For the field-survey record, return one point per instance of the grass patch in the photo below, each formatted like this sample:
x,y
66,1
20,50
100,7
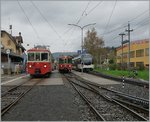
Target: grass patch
x,y
141,74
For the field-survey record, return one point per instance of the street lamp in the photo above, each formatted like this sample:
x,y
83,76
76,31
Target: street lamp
x,y
82,37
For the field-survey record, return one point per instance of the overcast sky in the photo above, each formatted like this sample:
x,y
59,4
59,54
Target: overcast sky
x,y
46,22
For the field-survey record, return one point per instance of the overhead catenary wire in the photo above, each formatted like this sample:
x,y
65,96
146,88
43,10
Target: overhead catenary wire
x,y
94,8
86,8
110,16
29,22
84,11
86,14
78,21
46,20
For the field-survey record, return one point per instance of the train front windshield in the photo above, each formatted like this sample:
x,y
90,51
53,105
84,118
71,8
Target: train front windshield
x,y
38,56
88,60
65,60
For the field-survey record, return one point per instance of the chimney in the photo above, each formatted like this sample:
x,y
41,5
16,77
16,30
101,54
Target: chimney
x,y
19,33
10,27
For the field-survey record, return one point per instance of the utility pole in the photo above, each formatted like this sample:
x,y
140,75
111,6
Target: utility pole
x,y
122,34
128,30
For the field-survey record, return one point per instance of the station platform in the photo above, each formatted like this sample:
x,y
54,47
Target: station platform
x,y
95,79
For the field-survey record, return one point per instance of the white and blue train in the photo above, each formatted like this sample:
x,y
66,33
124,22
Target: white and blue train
x,y
83,61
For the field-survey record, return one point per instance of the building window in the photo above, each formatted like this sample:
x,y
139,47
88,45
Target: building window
x,y
118,57
147,52
132,64
8,43
132,54
140,53
139,64
125,55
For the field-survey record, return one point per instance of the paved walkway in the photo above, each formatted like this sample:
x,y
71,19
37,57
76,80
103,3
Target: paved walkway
x,y
5,79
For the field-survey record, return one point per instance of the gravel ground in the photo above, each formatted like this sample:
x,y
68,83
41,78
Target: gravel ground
x,y
83,108
45,103
62,103
110,111
131,89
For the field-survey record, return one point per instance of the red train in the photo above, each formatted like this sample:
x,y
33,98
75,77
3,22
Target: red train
x,y
65,64
39,61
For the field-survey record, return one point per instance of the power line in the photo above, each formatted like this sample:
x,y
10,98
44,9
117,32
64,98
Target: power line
x,y
114,30
46,20
94,8
123,27
29,21
115,37
142,21
139,15
125,24
110,16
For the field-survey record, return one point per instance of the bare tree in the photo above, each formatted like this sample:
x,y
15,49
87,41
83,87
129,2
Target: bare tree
x,y
94,45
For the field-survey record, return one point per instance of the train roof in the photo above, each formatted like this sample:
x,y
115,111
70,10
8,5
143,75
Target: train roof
x,y
38,50
64,57
79,56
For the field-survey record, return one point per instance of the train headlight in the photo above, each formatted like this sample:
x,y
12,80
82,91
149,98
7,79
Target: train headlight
x,y
30,66
60,65
45,66
69,65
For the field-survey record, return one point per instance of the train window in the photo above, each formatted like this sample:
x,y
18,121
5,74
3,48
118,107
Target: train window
x,y
37,56
30,56
69,60
61,60
44,56
65,60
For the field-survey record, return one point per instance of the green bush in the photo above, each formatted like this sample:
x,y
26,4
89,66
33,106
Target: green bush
x,y
112,66
118,67
141,67
111,61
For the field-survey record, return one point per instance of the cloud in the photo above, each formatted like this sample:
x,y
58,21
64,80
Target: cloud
x,y
51,27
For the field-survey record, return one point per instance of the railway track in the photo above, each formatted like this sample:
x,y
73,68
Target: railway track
x,y
124,105
13,95
14,87
137,100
